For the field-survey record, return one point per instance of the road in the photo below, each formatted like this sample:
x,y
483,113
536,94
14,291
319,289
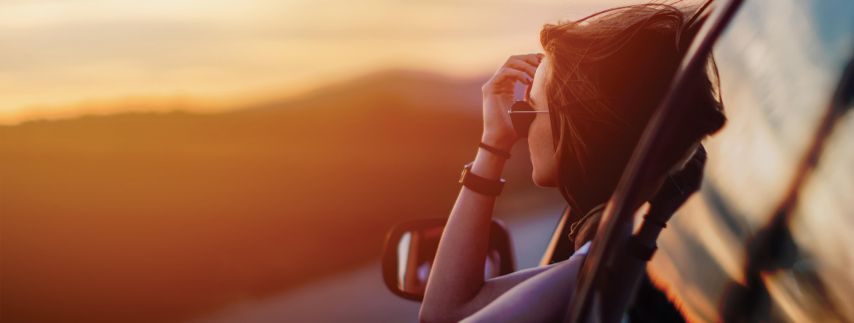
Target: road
x,y
360,295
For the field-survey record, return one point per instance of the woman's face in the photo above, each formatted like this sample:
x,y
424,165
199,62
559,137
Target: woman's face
x,y
540,142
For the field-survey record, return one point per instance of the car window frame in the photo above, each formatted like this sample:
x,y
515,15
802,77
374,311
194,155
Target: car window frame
x,y
617,214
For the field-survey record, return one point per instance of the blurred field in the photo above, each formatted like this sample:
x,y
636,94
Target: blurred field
x,y
160,217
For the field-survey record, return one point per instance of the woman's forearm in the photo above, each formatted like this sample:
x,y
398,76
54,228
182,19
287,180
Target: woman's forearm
x,y
457,273
455,288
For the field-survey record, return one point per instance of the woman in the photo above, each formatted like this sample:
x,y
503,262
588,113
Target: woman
x,y
592,93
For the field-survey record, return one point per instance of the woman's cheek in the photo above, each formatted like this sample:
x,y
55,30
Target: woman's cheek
x,y
542,157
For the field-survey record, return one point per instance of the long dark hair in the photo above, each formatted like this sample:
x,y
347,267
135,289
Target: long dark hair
x,y
609,72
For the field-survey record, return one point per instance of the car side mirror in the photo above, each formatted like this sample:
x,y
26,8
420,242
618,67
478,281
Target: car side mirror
x,y
411,246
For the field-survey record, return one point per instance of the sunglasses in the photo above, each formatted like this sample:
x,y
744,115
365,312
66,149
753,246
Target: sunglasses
x,y
522,115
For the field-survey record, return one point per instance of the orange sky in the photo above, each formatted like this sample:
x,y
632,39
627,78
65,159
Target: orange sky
x,y
61,58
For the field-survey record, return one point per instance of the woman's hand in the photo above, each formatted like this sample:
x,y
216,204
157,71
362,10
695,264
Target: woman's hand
x,y
498,97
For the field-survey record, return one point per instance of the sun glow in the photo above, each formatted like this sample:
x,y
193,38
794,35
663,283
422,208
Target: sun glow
x,y
59,56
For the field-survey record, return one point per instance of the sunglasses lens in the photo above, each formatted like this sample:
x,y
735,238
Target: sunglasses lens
x,y
521,121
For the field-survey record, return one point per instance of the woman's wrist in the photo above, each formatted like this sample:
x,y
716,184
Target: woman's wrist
x,y
501,141
488,165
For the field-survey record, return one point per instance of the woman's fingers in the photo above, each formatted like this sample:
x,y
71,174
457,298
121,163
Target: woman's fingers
x,y
512,74
517,68
523,66
528,62
533,59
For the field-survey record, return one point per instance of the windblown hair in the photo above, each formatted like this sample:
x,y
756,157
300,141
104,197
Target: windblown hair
x,y
610,71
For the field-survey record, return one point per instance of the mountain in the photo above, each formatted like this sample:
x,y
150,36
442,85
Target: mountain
x,y
143,217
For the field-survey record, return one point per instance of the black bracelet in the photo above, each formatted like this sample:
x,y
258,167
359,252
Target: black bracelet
x,y
499,152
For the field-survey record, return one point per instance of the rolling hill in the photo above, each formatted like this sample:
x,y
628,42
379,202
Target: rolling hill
x,y
143,217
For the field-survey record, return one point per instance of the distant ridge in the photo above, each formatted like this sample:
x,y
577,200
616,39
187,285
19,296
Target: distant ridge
x,y
416,89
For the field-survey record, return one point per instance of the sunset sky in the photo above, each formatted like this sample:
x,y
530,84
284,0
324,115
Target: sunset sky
x,y
62,58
